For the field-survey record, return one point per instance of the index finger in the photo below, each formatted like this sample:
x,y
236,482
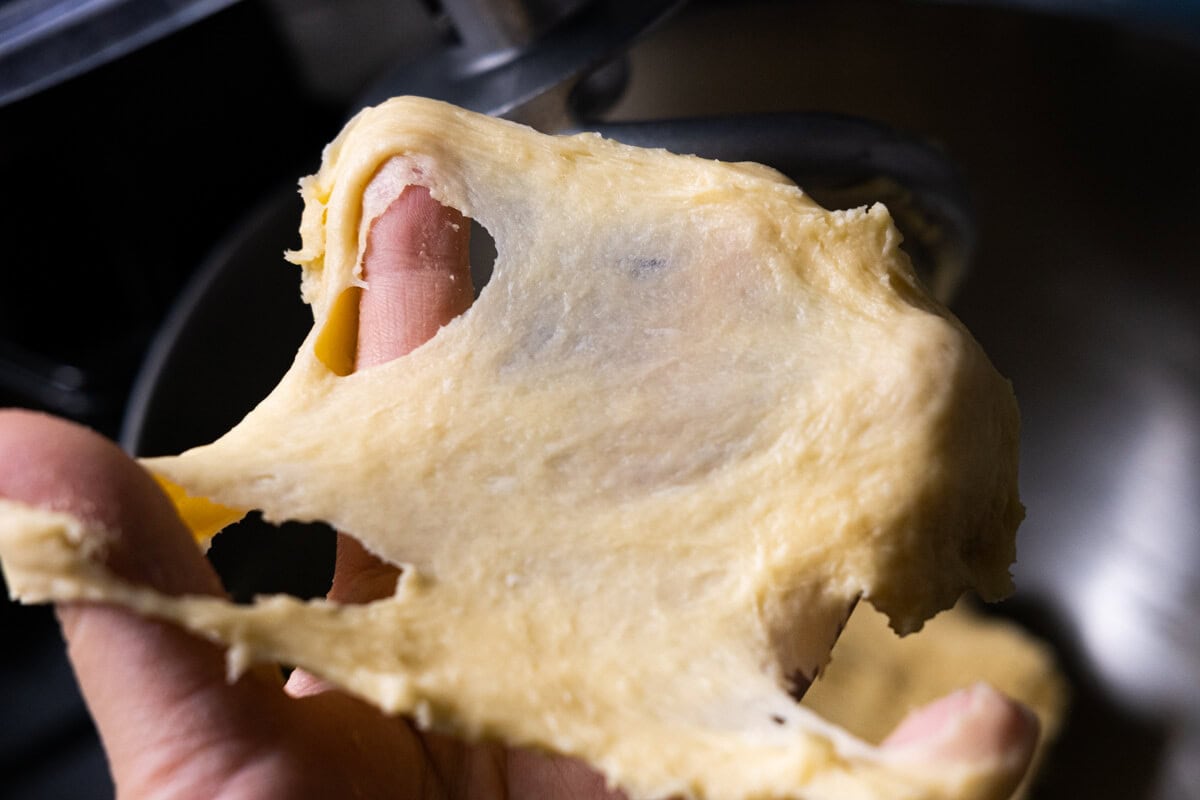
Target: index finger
x,y
417,273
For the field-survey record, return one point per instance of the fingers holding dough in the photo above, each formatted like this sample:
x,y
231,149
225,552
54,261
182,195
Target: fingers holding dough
x,y
56,465
59,466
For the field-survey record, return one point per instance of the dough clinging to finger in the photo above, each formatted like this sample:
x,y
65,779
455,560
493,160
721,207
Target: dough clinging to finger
x,y
634,489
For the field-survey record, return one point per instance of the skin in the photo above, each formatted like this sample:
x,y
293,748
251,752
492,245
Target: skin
x,y
173,727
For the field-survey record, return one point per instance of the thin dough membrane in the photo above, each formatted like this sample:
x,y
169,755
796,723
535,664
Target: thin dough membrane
x,y
691,419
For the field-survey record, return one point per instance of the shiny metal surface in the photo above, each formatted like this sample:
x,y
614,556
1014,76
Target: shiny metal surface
x,y
1077,141
45,42
530,80
491,25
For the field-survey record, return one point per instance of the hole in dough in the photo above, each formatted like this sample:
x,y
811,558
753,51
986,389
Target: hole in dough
x,y
483,256
254,558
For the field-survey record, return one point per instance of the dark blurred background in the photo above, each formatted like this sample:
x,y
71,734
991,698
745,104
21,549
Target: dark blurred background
x,y
1074,126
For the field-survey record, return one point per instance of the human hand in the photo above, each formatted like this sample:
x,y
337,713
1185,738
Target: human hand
x,y
174,727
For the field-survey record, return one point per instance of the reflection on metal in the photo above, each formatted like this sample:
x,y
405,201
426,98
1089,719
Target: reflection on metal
x,y
1138,597
527,73
44,42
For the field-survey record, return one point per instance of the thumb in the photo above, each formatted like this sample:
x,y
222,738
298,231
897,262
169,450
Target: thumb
x,y
973,726
158,695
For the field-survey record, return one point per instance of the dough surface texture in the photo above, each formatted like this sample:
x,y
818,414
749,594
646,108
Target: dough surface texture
x,y
635,489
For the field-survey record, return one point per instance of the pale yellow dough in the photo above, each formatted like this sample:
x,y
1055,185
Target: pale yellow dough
x,y
635,489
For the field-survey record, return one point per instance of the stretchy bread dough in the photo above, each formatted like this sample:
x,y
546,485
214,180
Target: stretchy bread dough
x,y
635,488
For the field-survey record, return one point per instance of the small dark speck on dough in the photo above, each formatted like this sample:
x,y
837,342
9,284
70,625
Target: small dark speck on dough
x,y
640,267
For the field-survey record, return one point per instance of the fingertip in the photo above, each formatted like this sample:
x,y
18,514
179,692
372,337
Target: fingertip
x,y
58,465
973,725
416,268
